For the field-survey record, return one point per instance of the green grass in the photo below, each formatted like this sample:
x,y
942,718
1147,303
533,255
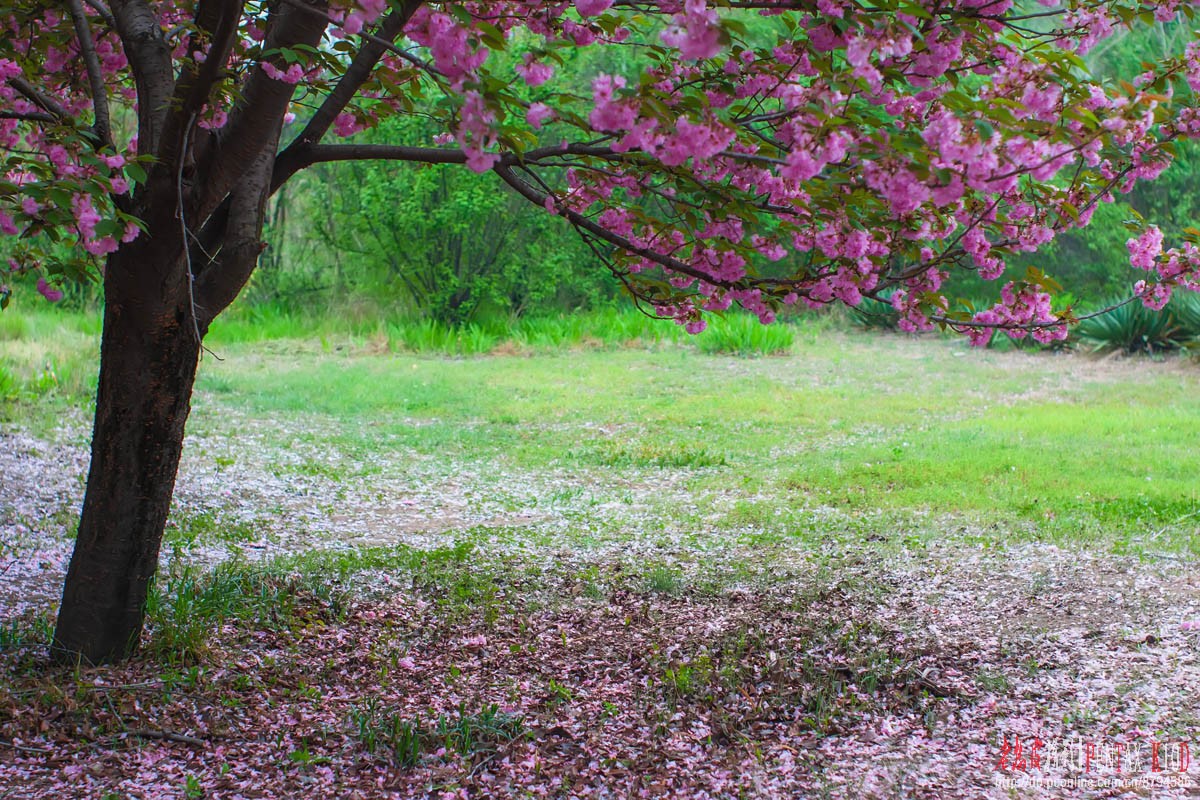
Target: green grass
x,y
188,604
47,357
408,739
855,423
848,433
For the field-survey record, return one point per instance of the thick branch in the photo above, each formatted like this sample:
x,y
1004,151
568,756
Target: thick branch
x,y
259,116
150,61
87,47
239,223
357,73
305,157
39,99
219,20
355,76
32,116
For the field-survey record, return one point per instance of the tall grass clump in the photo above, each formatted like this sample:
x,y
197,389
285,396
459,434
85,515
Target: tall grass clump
x,y
743,335
265,322
186,606
428,336
605,328
411,738
1185,305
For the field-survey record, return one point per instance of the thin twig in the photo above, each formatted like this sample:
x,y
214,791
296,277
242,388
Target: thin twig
x,y
25,749
187,250
370,37
166,736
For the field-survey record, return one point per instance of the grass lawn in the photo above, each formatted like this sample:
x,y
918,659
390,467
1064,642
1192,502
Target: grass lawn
x,y
853,570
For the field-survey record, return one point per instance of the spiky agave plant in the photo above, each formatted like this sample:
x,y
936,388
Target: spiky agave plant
x,y
1133,328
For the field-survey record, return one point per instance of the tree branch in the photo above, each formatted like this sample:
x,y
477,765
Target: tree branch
x,y
32,116
355,76
240,219
219,20
537,197
87,48
150,62
42,101
307,156
258,117
103,12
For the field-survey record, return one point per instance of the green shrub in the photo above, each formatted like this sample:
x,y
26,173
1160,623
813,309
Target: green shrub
x,y
876,314
1133,328
1185,305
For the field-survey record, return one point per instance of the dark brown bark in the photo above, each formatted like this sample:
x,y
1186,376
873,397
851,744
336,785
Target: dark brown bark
x,y
150,62
160,298
148,361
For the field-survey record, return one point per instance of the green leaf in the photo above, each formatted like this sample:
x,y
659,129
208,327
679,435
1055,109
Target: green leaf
x,y
136,173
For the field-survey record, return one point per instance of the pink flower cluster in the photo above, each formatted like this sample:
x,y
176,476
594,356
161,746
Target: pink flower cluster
x,y
1177,267
695,32
1022,310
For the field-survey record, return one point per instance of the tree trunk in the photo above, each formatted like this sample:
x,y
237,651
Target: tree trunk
x,y
148,358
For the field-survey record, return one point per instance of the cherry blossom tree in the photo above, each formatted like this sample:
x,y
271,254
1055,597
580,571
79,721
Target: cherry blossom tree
x,y
758,153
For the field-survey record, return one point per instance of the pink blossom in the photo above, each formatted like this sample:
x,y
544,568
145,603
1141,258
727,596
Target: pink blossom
x,y
293,75
215,120
535,73
695,32
1146,248
592,8
102,246
48,292
346,124
537,115
475,132
609,113
1153,295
